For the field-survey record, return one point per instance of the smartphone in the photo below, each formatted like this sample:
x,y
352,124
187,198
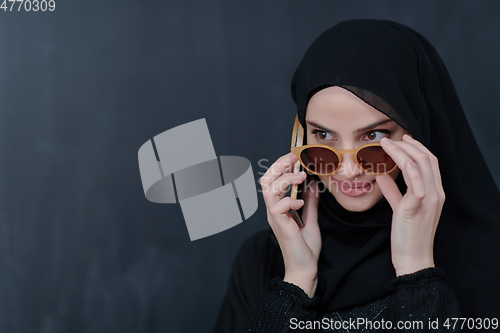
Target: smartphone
x,y
297,189
297,141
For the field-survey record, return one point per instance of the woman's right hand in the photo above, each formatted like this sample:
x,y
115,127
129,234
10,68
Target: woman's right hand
x,y
300,246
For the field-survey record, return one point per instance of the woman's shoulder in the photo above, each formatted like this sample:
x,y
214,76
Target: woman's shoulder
x,y
469,251
260,241
257,261
261,252
261,244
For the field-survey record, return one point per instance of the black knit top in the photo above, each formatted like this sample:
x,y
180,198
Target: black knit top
x,y
418,302
258,300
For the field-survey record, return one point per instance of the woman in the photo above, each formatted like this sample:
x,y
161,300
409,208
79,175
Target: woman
x,y
416,246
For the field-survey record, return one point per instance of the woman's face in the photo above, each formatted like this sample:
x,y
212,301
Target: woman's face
x,y
338,118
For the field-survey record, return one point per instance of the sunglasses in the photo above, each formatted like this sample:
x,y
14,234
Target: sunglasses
x,y
324,160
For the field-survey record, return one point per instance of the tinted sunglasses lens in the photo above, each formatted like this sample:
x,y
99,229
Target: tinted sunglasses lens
x,y
320,160
375,160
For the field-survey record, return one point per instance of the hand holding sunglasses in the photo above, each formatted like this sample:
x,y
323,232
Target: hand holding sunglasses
x,y
416,214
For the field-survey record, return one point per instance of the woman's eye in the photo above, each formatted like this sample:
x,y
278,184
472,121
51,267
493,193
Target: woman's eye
x,y
376,135
322,135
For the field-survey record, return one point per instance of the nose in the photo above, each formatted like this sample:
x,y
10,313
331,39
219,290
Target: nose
x,y
348,168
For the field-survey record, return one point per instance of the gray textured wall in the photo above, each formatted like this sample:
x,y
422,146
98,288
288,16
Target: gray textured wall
x,y
83,87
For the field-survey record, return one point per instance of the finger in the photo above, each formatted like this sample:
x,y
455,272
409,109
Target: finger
x,y
434,162
437,175
398,156
412,200
390,190
281,166
417,186
285,204
285,221
423,163
278,189
311,197
310,231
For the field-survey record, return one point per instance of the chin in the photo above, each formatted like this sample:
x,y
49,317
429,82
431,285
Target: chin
x,y
359,203
355,206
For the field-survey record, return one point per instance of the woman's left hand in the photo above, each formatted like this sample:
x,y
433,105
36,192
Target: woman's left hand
x,y
416,214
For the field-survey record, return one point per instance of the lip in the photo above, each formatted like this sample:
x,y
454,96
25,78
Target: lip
x,y
354,189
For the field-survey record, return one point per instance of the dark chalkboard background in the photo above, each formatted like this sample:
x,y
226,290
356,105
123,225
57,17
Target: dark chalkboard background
x,y
83,87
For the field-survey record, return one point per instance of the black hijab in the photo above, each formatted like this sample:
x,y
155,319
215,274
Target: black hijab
x,y
397,71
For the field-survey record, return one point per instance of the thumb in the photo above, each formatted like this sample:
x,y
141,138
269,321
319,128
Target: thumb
x,y
311,198
310,231
390,190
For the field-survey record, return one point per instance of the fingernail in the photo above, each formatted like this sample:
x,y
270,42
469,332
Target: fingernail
x,y
385,141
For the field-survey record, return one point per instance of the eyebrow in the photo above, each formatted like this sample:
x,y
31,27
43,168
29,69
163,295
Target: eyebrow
x,y
366,128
